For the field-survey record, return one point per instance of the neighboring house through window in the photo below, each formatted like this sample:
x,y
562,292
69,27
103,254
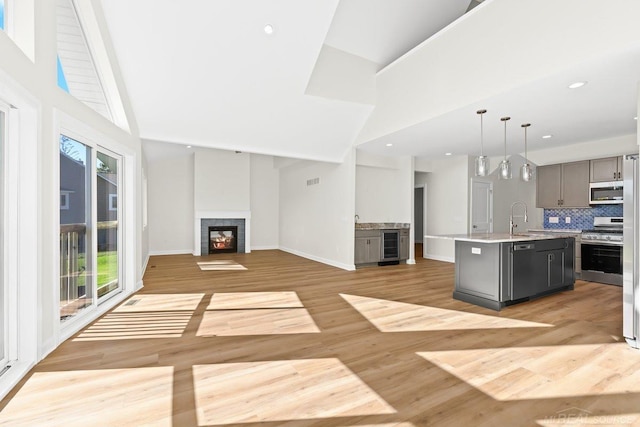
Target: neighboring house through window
x,y
64,199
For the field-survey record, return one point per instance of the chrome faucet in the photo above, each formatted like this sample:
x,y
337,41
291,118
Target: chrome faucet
x,y
357,217
511,216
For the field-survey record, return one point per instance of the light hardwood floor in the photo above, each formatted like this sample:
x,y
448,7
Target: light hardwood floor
x,y
296,343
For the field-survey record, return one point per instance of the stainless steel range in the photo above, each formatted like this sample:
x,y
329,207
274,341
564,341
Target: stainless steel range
x,y
602,251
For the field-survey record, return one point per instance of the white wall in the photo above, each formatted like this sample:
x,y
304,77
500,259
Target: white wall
x,y
246,182
265,197
447,205
317,221
221,180
170,202
381,195
506,192
625,144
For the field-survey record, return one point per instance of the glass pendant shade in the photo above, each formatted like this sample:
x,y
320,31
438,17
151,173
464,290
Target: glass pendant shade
x,y
526,171
482,161
504,170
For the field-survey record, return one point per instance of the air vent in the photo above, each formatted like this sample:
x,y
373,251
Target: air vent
x,y
132,302
313,181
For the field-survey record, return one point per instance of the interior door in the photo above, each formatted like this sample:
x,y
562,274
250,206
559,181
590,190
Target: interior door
x,y
481,206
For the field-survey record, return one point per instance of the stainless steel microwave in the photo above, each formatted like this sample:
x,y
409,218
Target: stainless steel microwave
x,y
605,193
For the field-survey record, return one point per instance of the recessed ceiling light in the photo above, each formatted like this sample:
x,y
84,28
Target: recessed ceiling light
x,y
576,85
268,29
188,146
546,136
389,145
447,154
635,118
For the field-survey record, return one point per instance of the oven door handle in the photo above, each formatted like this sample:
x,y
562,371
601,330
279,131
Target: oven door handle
x,y
599,243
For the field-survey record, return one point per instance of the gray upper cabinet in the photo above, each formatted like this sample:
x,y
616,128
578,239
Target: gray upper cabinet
x,y
607,169
563,185
548,186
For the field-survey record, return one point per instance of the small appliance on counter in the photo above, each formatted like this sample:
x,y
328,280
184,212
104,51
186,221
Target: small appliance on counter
x,y
602,249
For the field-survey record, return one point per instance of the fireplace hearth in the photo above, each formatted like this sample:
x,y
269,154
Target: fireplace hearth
x,y
223,239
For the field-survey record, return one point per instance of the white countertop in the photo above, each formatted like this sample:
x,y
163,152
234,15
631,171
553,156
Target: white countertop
x,y
502,237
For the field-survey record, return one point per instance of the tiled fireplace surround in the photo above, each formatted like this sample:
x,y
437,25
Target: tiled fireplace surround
x,y
206,219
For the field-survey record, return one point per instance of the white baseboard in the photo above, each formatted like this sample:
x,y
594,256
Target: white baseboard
x,y
145,264
439,258
319,259
47,347
265,248
172,252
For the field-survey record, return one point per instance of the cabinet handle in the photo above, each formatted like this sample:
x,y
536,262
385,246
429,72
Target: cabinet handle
x,y
614,175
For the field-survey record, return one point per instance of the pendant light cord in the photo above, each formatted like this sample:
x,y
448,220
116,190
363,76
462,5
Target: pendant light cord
x,y
504,119
481,112
525,126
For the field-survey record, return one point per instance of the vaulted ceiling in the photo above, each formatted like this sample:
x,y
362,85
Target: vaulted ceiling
x,y
370,73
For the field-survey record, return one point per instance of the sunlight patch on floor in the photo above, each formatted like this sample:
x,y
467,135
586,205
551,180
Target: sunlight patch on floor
x,y
280,391
250,300
160,302
256,313
222,265
544,372
141,396
122,326
394,316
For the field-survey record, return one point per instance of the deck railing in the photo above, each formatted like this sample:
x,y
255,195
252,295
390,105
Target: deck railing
x,y
73,279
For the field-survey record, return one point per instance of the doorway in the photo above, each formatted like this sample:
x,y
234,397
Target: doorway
x,y
420,219
481,206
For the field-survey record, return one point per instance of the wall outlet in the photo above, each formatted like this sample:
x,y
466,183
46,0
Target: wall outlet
x,y
554,220
567,220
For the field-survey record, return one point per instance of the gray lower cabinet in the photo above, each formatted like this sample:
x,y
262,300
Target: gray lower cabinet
x,y
495,275
367,246
404,244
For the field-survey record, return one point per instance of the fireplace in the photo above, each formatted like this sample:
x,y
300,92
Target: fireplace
x,y
224,220
223,239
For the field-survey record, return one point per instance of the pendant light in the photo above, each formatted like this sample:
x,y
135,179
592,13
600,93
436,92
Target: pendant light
x,y
482,161
504,170
526,171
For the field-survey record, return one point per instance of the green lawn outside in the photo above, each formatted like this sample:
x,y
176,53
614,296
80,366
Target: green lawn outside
x,y
107,267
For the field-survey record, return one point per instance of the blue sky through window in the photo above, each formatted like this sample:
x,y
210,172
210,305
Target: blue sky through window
x,y
2,14
62,81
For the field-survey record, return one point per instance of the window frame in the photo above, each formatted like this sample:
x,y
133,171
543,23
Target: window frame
x,y
97,141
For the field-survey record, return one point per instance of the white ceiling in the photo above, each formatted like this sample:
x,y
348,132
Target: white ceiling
x,y
204,73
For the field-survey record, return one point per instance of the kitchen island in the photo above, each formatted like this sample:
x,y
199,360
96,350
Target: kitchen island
x,y
496,270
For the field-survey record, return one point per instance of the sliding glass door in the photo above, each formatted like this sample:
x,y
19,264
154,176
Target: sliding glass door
x,y
76,280
108,186
90,254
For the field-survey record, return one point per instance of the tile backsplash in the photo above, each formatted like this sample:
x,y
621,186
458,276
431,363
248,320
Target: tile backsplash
x,y
581,218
